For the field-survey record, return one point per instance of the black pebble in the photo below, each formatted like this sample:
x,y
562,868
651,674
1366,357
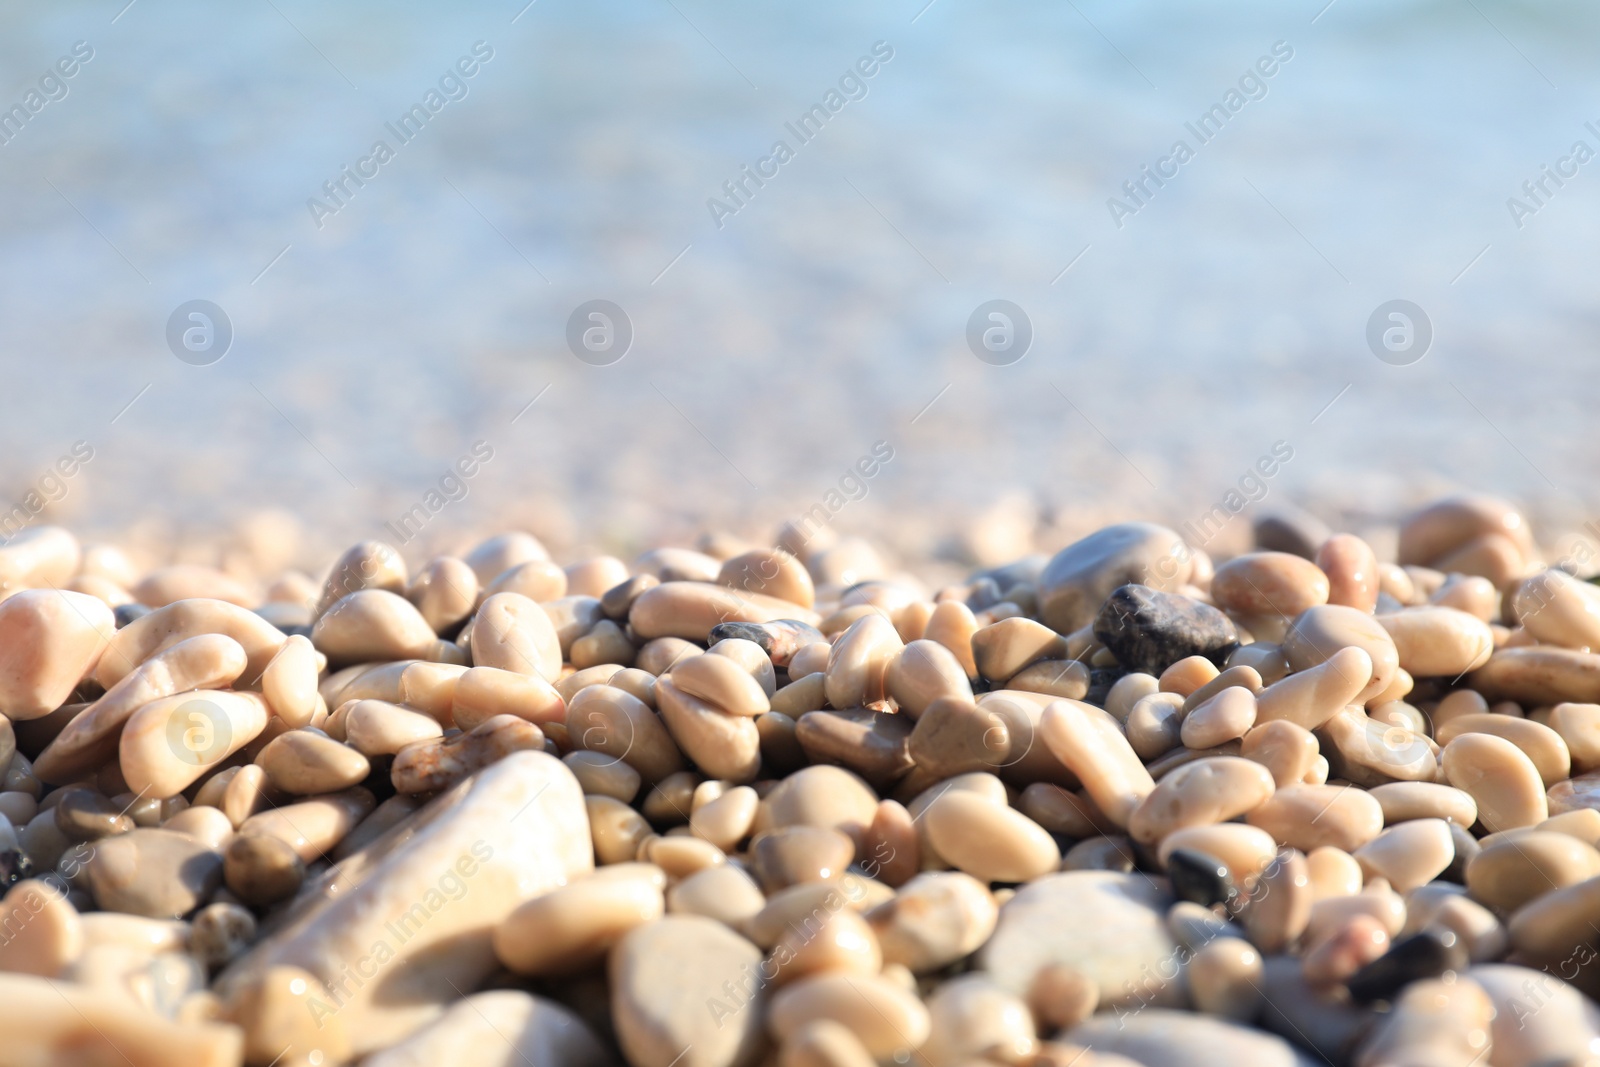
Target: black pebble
x,y
1200,878
1148,630
14,867
1424,955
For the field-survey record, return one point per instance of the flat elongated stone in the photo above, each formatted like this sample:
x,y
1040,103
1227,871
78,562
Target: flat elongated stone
x,y
1184,1039
393,933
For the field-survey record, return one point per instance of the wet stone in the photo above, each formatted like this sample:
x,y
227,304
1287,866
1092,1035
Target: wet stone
x,y
1201,878
1148,630
1424,955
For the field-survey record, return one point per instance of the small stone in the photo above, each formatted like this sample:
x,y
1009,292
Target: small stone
x,y
874,744
156,873
221,932
1077,580
935,919
1200,878
668,1000
1183,1039
955,736
1149,630
1428,954
1291,530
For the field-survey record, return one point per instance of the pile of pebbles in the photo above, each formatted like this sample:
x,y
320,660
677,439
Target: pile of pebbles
x,y
746,805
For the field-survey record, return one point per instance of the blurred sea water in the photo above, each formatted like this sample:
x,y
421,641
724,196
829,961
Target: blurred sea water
x,y
1227,315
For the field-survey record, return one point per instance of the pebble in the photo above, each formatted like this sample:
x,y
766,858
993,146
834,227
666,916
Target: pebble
x,y
821,795
971,1017
445,591
1127,691
611,721
1539,1018
1078,579
1091,745
1310,697
1502,781
374,728
1402,801
1433,1022
922,672
1352,945
1368,752
874,744
373,625
1107,926
1210,790
791,855
1200,878
1515,870
1558,609
1422,955
1410,854
46,1021
1438,642
43,932
1539,675
49,640
537,579
1542,745
935,919
501,1028
1155,725
1149,630
726,820
723,892
515,634
859,661
1579,728
823,1043
687,989
430,766
155,873
689,610
954,736
1575,794
1352,570
1007,647
991,842
169,743
303,762
1308,817
1053,677
571,928
515,830
616,830
1224,979
1456,533
599,774
1269,583
1061,997
220,933
1188,676
1319,633
1286,750
1225,717
501,552
723,746
888,1020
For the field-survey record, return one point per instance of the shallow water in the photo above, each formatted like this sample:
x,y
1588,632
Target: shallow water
x,y
828,313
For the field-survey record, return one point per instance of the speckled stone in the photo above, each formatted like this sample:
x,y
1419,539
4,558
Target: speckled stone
x,y
1148,630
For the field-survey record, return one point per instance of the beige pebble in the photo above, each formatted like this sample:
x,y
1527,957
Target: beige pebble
x,y
972,1017
920,673
1476,596
1542,674
573,927
935,919
1061,996
952,625
1319,633
1352,570
771,572
689,609
207,661
501,552
515,634
1438,641
1225,978
1346,949
1127,691
1539,743
750,657
289,682
537,579
1313,695
245,794
171,742
808,900
721,682
165,627
1433,1021
1093,747
312,827
605,642
618,724
377,728
791,855
427,766
366,565
1410,854
1210,790
1376,899
1284,748
1155,725
859,660
1060,812
602,775
1367,752
1187,675
500,1028
1558,609
1401,801
207,825
1004,648
723,892
1334,872
838,942
1503,781
1278,909
1225,717
616,830
991,842
572,617
723,746
303,762
1246,677
1245,850
1269,583
481,693
1308,817
1550,926
49,640
43,1018
955,736
885,1018
726,820
1578,725
1444,907
445,591
373,624
1511,872
821,796
44,934
155,873
823,1043
680,855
